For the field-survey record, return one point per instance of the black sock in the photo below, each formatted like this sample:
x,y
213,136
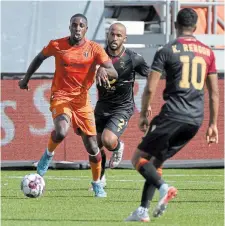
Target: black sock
x,y
147,195
103,163
117,147
148,171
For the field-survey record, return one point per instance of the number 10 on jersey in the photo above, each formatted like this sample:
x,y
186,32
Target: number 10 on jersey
x,y
190,69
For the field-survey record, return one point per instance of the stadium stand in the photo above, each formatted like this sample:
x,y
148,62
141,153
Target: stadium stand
x,y
160,29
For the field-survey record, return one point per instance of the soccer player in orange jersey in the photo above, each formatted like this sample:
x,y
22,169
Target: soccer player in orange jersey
x,y
76,59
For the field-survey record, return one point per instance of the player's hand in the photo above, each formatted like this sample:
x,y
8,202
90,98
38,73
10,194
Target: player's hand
x,y
102,77
149,111
212,135
143,123
23,84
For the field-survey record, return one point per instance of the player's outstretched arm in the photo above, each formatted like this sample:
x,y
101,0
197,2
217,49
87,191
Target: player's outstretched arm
x,y
212,86
111,71
34,65
105,73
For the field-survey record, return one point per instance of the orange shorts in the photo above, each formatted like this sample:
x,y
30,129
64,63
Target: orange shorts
x,y
81,114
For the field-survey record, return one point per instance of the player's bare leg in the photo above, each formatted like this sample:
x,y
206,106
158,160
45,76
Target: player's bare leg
x,y
62,125
95,160
112,143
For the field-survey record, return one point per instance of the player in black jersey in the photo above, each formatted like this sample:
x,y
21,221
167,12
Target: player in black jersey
x,y
115,105
188,63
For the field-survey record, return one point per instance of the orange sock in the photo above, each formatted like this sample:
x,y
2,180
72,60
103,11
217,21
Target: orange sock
x,y
52,145
140,163
159,171
96,170
143,161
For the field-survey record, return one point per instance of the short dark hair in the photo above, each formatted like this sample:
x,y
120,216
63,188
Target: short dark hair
x,y
79,15
187,17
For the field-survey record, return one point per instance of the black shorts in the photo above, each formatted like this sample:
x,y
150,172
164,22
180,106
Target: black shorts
x,y
166,137
117,123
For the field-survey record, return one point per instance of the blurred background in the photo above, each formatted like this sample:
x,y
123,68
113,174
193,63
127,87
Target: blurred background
x,y
27,26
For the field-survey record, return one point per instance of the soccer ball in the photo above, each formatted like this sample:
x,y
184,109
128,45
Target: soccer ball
x,y
33,185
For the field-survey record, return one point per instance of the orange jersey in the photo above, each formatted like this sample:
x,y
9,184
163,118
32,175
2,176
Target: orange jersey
x,y
75,66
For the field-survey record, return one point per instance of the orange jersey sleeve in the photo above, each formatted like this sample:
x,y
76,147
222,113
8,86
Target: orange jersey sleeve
x,y
49,49
100,55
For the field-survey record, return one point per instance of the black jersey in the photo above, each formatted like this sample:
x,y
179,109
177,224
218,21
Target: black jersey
x,y
119,97
186,62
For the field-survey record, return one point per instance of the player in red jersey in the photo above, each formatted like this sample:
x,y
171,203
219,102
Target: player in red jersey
x,y
76,59
188,63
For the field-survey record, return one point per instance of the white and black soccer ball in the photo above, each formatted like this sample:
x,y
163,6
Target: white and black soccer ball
x,y
33,185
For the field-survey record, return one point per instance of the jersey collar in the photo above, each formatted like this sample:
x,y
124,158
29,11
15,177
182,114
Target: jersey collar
x,y
119,55
68,42
187,36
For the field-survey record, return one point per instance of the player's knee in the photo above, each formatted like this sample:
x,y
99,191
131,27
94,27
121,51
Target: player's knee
x,y
92,149
61,134
95,150
109,142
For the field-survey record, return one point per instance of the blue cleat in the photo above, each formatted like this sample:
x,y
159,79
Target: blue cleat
x,y
102,181
98,189
44,163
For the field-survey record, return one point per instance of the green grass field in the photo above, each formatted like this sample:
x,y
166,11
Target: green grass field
x,y
67,201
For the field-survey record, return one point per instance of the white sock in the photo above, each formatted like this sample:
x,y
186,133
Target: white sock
x,y
50,153
140,208
163,188
96,181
